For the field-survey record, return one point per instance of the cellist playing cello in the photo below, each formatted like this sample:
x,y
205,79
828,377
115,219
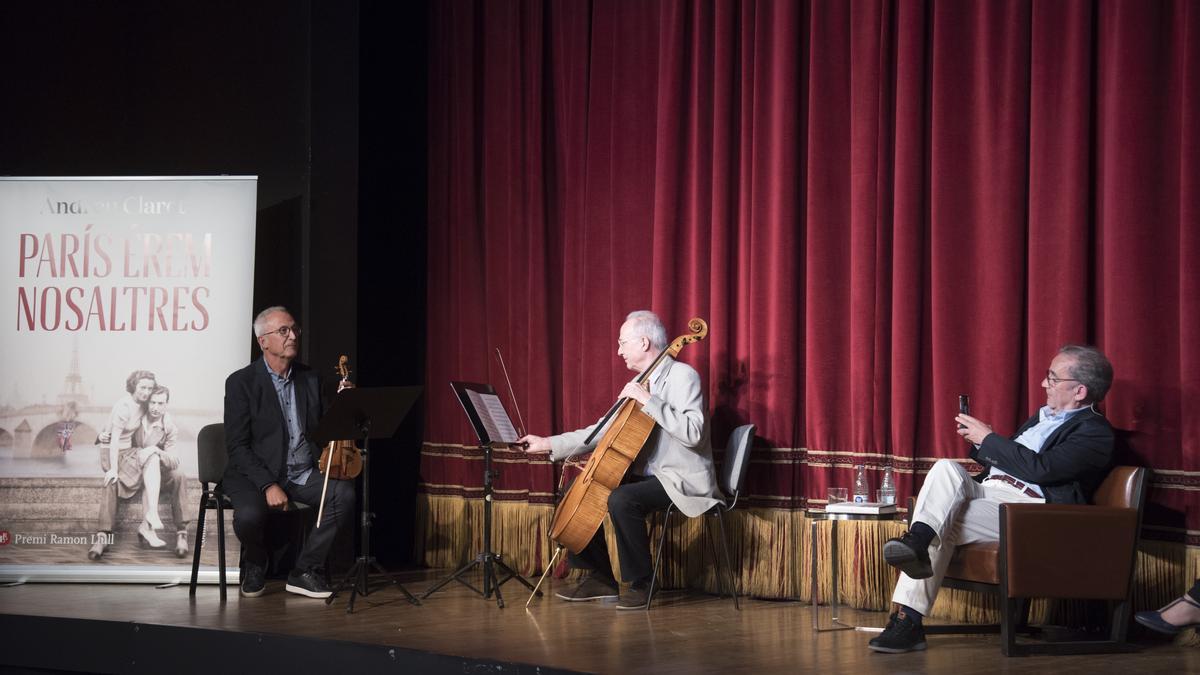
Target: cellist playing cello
x,y
674,466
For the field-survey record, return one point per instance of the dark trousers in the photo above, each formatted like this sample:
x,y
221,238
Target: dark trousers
x,y
628,506
250,516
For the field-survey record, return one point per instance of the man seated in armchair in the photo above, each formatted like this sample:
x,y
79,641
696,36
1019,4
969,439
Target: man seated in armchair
x,y
1060,455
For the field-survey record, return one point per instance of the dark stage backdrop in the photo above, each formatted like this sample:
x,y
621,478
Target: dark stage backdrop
x,y
323,101
876,205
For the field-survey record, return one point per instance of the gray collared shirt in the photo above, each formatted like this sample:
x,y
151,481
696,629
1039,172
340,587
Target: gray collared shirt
x,y
299,456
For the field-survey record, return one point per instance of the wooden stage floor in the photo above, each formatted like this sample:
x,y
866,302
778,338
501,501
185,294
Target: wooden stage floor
x,y
686,633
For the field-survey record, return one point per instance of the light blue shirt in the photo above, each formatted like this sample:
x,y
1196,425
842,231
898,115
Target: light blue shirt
x,y
299,456
1035,437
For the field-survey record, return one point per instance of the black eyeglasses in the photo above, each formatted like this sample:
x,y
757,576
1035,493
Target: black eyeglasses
x,y
1053,379
284,330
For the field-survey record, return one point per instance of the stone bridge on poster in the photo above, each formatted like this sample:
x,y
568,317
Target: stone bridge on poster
x,y
32,432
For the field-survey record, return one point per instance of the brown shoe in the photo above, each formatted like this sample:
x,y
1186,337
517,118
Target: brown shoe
x,y
637,597
590,588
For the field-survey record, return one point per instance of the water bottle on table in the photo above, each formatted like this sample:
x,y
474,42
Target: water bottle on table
x,y
861,488
887,486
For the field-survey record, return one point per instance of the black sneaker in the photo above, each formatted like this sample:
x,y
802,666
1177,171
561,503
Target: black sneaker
x,y
254,580
307,582
901,635
908,556
590,588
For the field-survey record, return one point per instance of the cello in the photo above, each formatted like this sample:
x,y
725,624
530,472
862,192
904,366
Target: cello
x,y
585,504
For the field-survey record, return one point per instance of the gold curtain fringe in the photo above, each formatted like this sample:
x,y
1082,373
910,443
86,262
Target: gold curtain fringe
x,y
771,554
450,532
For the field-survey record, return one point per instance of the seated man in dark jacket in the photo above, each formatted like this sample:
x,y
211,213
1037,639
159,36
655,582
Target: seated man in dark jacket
x,y
1060,455
269,407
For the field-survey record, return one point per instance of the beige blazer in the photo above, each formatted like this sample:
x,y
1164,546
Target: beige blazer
x,y
679,451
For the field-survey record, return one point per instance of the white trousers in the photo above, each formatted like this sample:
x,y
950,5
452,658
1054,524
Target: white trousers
x,y
960,511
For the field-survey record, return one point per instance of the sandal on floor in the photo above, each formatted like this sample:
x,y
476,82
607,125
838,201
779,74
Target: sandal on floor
x,y
1154,621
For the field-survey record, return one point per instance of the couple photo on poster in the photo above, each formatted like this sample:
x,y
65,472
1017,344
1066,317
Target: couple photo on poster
x,y
138,457
111,482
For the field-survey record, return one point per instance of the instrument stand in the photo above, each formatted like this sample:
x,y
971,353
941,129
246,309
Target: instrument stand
x,y
358,576
351,416
487,558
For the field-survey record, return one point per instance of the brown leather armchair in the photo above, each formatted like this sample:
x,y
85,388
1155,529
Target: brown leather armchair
x,y
1060,551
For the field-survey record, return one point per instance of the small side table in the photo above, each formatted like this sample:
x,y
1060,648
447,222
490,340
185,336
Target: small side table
x,y
833,518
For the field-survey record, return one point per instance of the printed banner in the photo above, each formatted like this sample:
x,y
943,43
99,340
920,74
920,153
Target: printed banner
x,y
125,302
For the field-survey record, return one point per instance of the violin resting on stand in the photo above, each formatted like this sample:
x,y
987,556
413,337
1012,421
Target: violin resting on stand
x,y
340,460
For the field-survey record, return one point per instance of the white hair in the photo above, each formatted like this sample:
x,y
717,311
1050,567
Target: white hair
x,y
644,322
260,321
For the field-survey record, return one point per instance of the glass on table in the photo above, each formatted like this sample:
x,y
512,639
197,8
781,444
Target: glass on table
x,y
838,494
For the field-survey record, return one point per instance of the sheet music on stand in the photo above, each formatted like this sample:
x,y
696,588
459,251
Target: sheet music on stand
x,y
494,417
486,413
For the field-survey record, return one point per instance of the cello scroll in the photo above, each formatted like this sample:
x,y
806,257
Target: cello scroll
x,y
699,331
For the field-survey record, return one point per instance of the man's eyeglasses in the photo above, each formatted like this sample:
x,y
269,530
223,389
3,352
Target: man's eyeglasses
x,y
622,343
1053,379
284,330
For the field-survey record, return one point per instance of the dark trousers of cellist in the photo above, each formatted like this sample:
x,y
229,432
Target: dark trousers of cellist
x,y
628,507
674,466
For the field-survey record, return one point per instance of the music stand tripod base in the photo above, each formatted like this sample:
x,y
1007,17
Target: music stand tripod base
x,y
358,577
358,581
487,558
364,413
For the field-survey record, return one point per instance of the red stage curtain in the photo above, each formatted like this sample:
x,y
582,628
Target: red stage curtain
x,y
876,206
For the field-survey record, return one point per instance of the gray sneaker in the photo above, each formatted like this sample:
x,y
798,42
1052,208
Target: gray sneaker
x,y
590,588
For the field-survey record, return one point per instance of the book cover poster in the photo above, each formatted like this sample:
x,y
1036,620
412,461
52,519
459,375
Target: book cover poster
x,y
125,302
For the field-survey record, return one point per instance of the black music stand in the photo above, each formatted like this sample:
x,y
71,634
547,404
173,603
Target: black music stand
x,y
488,558
362,414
